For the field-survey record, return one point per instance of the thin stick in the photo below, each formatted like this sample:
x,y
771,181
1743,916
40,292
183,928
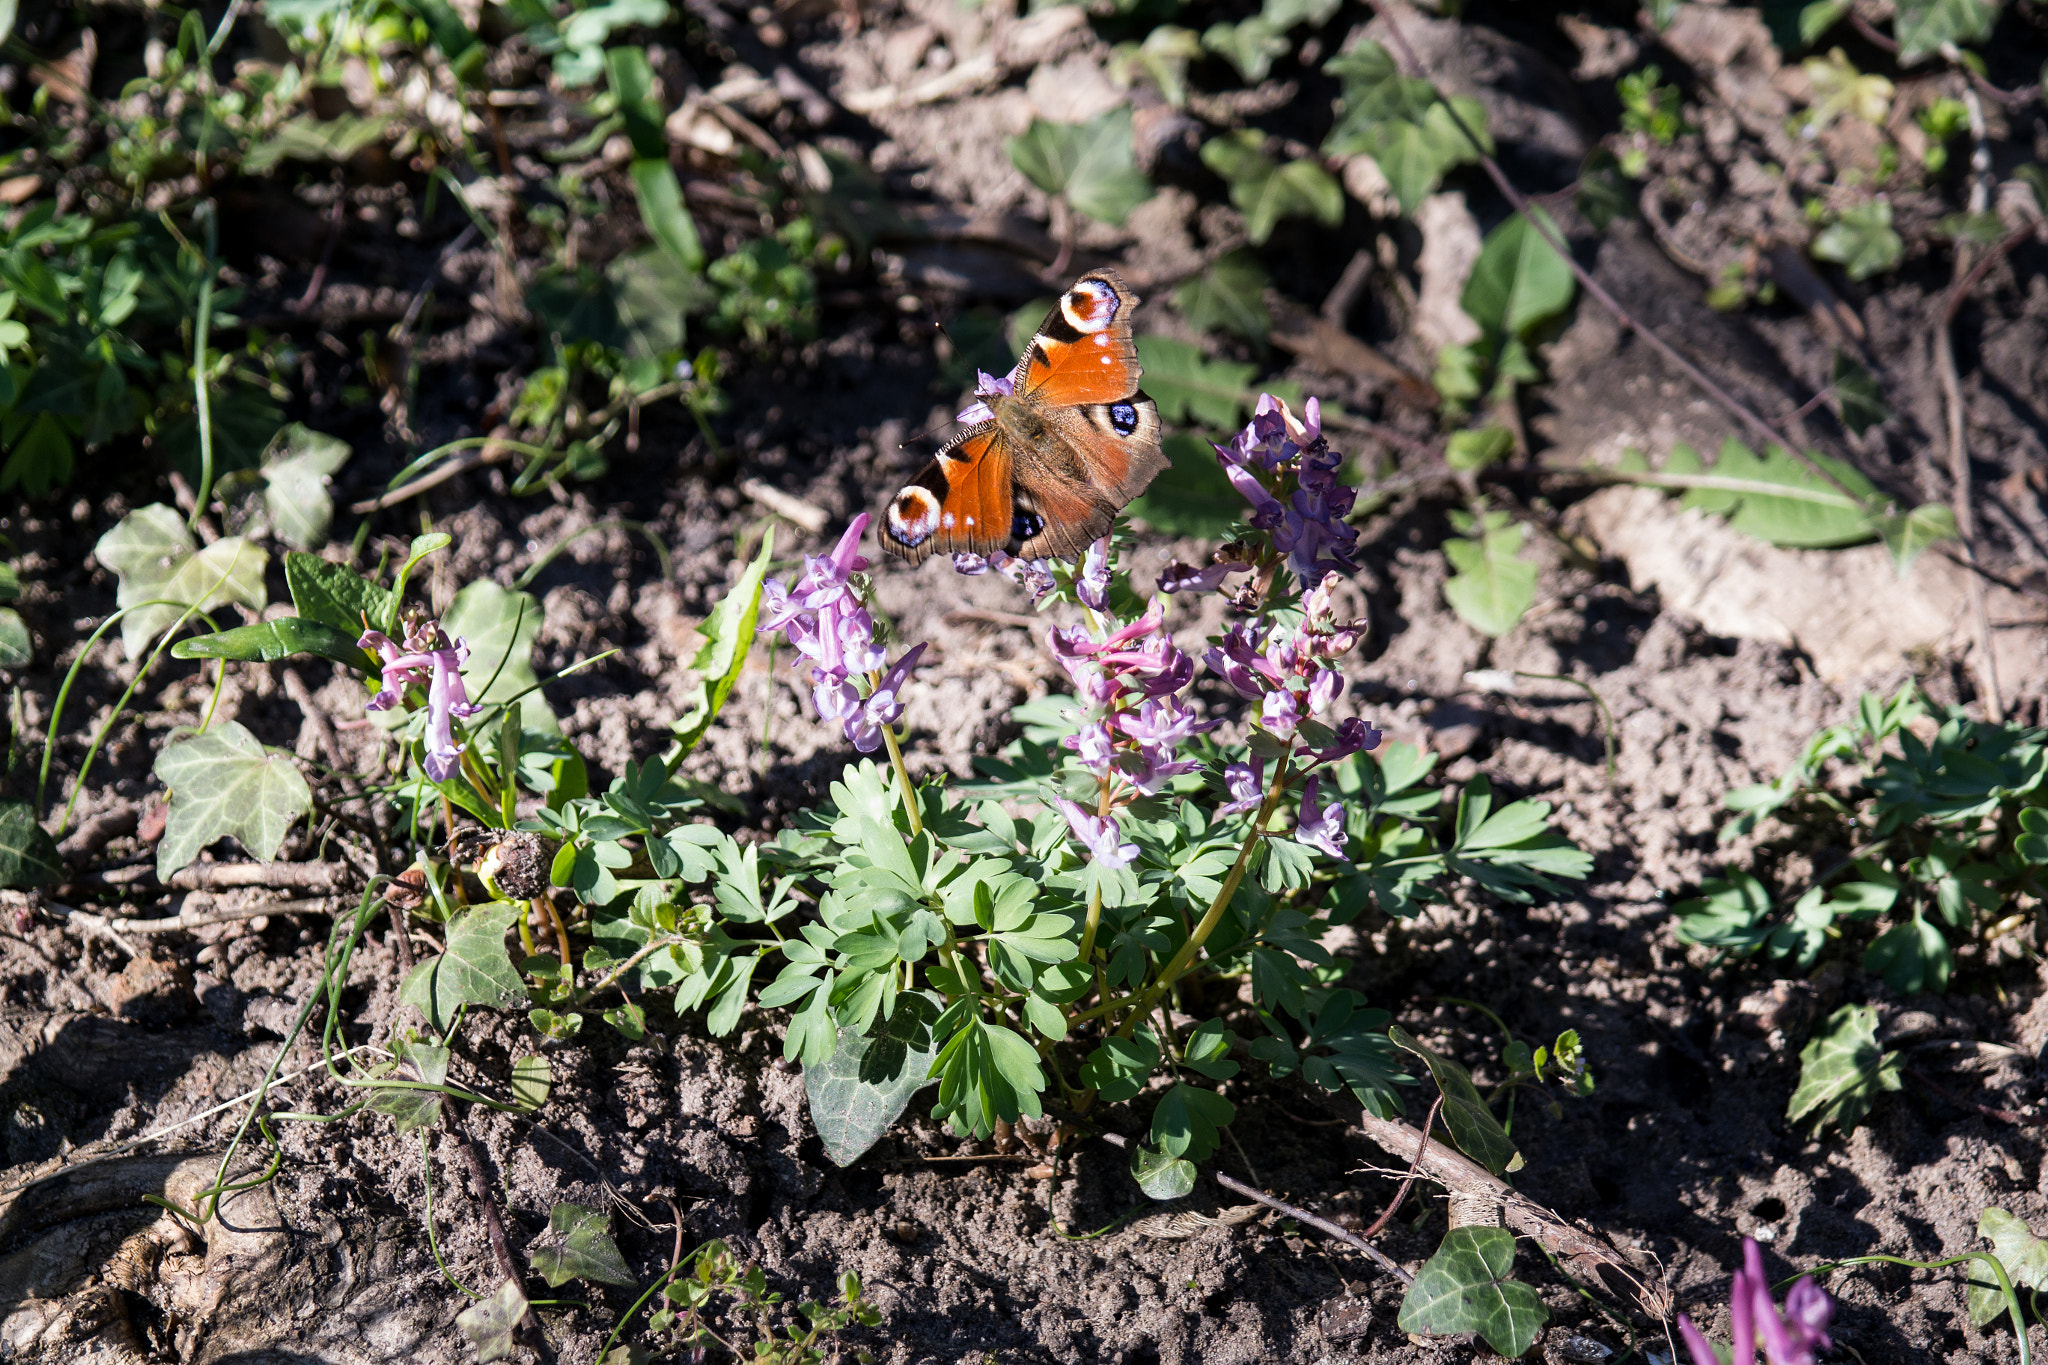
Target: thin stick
x,y
1322,1225
1407,1181
494,1229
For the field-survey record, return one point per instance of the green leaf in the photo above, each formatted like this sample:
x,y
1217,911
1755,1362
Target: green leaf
x,y
2032,841
1285,14
424,1064
223,784
1858,399
28,855
500,627
867,1082
631,78
16,648
1230,296
1466,1287
306,138
1163,57
1188,1120
335,595
296,468
1841,1072
1091,163
661,211
1726,914
490,1324
1911,957
1809,512
268,641
728,634
1194,498
1266,192
1161,1176
1474,450
1861,240
1249,45
1922,26
1473,1127
1492,585
476,970
1908,533
157,561
578,1245
2024,1256
1188,388
1519,281
532,1079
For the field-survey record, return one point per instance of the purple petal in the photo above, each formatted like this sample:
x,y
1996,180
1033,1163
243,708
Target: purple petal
x,y
1246,784
845,555
1098,833
1323,689
1696,1344
975,413
1280,713
1178,577
1091,585
1321,828
987,385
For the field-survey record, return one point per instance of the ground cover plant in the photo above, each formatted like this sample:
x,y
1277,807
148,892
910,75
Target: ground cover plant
x,y
1395,891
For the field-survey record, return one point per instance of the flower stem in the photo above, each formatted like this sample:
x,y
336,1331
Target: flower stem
x,y
1183,959
903,783
1095,892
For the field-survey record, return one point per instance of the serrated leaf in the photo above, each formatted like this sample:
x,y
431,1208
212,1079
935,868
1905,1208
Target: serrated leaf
x,y
2024,1256
1161,1176
158,562
533,1077
578,1245
476,970
490,1323
1250,45
1473,1127
1861,240
1466,1287
728,635
1265,191
1922,26
1230,295
1492,586
225,784
423,1063
1841,1072
1194,498
1091,163
296,468
1519,281
28,855
1187,387
867,1082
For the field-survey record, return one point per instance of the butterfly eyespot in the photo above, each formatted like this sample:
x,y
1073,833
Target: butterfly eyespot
x,y
1025,525
914,517
1089,306
1124,417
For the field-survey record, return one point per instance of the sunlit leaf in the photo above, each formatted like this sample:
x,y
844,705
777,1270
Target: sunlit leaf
x,y
28,855
1466,1287
225,784
1492,586
1266,191
490,1324
867,1083
1250,45
1841,1072
499,626
422,1064
728,635
157,560
2024,1256
1861,240
578,1245
1230,295
1091,163
1190,388
476,969
1519,281
1473,1125
1923,26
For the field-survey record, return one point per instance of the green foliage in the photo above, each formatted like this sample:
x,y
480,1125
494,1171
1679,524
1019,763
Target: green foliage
x,y
1492,585
768,287
1229,296
1519,285
858,1092
414,1104
1842,1071
1402,124
491,1324
718,1287
225,784
1650,107
1194,496
1922,27
475,970
1162,59
28,855
1861,240
1473,1127
295,471
2024,1256
728,635
1189,388
1250,45
1090,164
1267,191
165,576
1466,1287
578,1245
16,648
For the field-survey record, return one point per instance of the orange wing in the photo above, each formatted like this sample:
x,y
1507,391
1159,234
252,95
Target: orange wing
x,y
1084,351
961,501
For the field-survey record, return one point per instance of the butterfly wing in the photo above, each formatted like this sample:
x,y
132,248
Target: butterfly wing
x,y
960,502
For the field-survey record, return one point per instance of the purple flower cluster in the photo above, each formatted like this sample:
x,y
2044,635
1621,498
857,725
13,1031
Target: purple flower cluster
x,y
1032,575
1284,468
427,656
1789,1337
822,616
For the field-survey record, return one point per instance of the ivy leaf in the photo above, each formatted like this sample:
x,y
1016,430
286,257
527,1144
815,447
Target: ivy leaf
x,y
1188,388
1266,192
1465,1288
1230,295
296,468
16,648
1911,957
1861,240
476,970
1519,281
28,855
2024,1256
1908,533
1161,1176
1477,1132
867,1082
1163,57
1492,585
425,1063
578,1245
1090,163
499,626
1922,26
224,783
490,1323
1285,14
1249,45
1841,1072
158,562
728,634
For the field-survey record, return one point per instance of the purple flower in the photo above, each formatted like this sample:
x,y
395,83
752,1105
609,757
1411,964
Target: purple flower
x,y
1324,686
1236,660
1150,767
1164,721
427,656
1096,746
884,705
1091,585
1032,575
1246,784
1178,577
1322,827
1098,833
1280,713
1789,1338
1353,735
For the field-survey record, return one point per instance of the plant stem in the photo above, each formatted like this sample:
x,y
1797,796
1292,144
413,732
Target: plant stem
x,y
1186,956
903,783
200,398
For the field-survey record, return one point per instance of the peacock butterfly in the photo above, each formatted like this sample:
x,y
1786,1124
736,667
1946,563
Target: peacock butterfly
x,y
1055,450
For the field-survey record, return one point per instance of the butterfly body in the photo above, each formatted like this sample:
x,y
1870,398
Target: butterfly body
x,y
1055,451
